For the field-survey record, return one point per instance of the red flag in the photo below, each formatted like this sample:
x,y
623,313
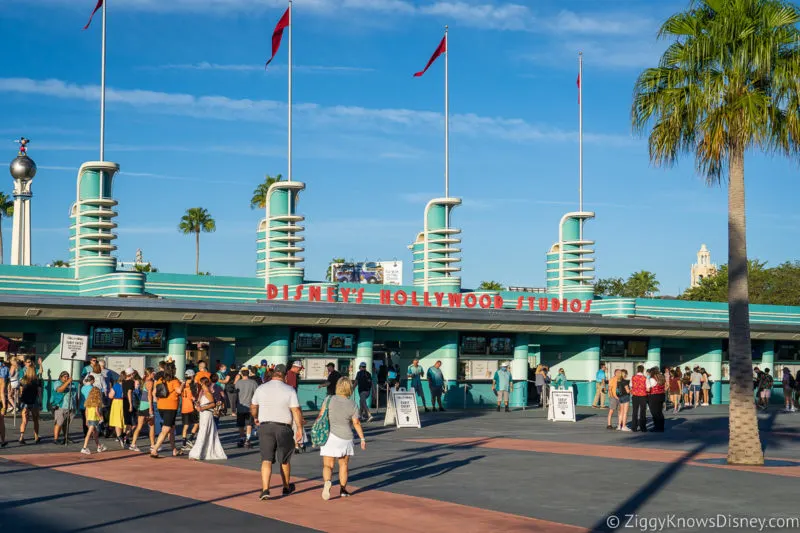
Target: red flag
x,y
96,8
441,49
283,23
579,86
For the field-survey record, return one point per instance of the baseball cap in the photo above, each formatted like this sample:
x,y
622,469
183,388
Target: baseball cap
x,y
504,364
129,371
362,365
263,362
280,369
189,373
298,364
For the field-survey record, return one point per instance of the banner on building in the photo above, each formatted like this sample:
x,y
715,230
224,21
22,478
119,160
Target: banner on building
x,y
562,406
369,272
74,347
119,363
401,410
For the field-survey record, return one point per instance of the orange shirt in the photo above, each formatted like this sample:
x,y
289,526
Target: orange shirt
x,y
187,400
612,387
170,403
200,375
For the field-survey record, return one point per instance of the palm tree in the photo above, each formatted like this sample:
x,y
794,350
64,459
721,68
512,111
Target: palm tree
x,y
259,198
490,286
195,220
642,284
6,210
59,263
726,84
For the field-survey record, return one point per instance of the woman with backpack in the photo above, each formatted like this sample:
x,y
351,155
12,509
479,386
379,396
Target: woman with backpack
x,y
788,383
145,414
624,397
168,390
656,388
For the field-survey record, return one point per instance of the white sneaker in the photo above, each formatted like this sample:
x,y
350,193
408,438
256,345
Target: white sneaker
x,y
101,448
625,428
85,451
326,491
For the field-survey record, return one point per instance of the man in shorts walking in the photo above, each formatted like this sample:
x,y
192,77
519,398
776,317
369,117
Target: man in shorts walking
x,y
613,399
274,406
245,388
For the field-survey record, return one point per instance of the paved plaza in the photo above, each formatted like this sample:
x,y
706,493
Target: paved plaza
x,y
463,471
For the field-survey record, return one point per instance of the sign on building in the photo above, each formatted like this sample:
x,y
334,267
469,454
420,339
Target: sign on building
x,y
74,347
562,406
370,272
402,410
119,363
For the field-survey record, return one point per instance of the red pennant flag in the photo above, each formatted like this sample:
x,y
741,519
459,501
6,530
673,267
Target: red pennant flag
x,y
96,9
579,86
283,23
441,49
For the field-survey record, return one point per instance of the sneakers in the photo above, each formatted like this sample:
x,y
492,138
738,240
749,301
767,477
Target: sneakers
x,y
343,492
609,427
264,495
498,408
240,443
85,451
326,491
371,418
290,488
121,442
625,428
507,409
248,444
101,448
134,448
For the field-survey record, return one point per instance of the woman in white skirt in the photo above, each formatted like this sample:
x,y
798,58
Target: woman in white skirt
x,y
343,418
207,446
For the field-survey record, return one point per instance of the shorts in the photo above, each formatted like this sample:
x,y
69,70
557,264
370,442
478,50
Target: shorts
x,y
436,391
129,418
144,413
244,419
93,423
190,419
276,442
417,387
613,403
502,396
766,393
685,389
624,399
168,417
60,416
30,406
695,388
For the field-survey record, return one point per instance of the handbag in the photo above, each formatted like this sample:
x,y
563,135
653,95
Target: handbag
x,y
322,427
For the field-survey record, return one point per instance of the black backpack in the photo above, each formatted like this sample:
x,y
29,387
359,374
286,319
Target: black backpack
x,y
162,391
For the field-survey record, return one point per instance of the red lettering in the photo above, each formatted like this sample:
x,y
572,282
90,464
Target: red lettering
x,y
470,300
314,294
588,306
575,305
485,301
454,299
498,301
360,296
556,304
298,292
439,298
272,292
542,304
345,294
386,297
331,293
426,300
414,298
285,292
400,297
531,303
564,305
519,302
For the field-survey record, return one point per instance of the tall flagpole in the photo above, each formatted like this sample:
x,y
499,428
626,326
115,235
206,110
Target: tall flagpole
x,y
291,24
580,131
446,115
103,89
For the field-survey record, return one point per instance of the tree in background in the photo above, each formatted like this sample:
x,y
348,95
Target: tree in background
x,y
329,273
144,267
642,284
771,286
7,211
490,286
259,198
727,84
195,220
59,263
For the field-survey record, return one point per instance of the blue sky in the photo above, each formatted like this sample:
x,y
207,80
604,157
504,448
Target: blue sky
x,y
193,120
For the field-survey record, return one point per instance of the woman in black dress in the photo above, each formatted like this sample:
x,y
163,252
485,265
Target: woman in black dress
x,y
30,402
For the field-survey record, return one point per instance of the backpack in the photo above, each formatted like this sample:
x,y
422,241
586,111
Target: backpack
x,y
162,391
322,427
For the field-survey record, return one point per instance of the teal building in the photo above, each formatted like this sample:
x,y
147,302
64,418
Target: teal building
x,y
281,316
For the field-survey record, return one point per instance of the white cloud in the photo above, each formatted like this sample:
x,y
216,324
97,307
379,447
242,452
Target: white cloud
x,y
491,16
341,118
601,24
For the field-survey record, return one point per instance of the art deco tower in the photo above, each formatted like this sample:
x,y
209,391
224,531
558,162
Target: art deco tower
x,y
23,169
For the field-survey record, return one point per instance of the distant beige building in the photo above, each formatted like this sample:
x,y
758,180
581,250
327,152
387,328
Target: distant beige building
x,y
703,268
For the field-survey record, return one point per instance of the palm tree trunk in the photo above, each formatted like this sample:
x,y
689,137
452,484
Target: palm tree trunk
x,y
1,240
744,446
197,252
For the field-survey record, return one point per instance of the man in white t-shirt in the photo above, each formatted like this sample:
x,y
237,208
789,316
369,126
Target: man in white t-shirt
x,y
274,406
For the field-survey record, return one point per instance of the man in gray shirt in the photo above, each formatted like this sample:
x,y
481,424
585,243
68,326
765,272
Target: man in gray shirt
x,y
274,406
245,388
